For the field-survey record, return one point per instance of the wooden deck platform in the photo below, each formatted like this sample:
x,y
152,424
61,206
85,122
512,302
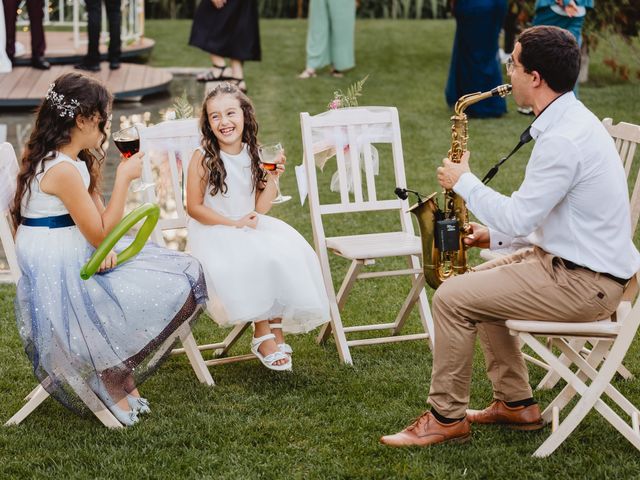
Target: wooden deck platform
x,y
60,48
26,87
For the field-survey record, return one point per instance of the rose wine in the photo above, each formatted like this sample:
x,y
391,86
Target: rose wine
x,y
269,166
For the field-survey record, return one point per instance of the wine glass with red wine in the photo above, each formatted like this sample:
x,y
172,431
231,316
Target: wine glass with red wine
x,y
268,156
128,142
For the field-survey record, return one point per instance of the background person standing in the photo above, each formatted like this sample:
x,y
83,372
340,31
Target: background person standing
x,y
91,61
227,29
474,60
330,38
35,9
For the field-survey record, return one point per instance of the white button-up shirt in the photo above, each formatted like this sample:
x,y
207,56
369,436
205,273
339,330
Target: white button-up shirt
x,y
573,202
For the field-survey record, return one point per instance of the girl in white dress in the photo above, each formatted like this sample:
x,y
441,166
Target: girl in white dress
x,y
258,269
104,334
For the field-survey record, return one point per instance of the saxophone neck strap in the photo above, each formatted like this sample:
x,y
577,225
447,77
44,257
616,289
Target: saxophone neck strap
x,y
524,138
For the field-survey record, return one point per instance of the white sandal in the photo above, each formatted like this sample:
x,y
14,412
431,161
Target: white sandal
x,y
283,347
270,360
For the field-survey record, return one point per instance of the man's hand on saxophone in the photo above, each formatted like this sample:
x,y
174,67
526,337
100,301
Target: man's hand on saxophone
x,y
450,172
479,236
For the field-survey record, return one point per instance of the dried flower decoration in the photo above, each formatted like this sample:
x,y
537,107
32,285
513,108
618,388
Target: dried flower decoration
x,y
66,108
350,99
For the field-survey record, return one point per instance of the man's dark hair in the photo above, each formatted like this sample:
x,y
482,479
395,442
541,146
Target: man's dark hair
x,y
552,52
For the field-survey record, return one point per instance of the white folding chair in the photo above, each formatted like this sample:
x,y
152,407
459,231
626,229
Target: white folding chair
x,y
168,147
349,134
626,137
8,173
592,379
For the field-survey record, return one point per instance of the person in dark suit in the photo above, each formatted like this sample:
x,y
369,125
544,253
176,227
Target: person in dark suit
x,y
35,9
91,61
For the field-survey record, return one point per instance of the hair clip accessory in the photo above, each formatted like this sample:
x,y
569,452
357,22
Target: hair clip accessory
x,y
66,108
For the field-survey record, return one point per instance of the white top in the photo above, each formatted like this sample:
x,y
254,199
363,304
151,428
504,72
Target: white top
x,y
40,204
573,202
240,198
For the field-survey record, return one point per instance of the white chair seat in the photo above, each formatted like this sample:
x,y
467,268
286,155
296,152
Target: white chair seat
x,y
375,245
602,328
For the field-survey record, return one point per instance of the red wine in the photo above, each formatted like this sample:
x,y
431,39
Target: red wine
x,y
128,147
269,166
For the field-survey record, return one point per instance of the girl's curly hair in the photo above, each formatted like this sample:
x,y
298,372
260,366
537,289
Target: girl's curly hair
x,y
213,163
52,130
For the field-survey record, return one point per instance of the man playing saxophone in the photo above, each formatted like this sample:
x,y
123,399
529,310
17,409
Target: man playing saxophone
x,y
572,208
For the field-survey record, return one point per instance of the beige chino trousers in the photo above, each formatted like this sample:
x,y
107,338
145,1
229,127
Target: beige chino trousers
x,y
527,285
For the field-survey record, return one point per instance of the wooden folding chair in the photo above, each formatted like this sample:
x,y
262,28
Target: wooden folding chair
x,y
350,135
8,172
168,147
592,379
626,137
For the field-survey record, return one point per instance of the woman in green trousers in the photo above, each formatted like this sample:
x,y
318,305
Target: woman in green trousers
x,y
330,39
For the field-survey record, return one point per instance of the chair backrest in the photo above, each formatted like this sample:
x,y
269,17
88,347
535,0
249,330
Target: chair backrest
x,y
168,147
627,137
8,176
349,134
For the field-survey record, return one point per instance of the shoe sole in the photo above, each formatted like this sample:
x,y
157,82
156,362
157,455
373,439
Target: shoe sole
x,y
457,440
527,427
464,439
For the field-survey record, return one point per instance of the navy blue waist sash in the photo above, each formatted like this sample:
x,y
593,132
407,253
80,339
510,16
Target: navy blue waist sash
x,y
58,221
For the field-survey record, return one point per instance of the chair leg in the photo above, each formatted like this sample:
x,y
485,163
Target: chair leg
x,y
590,395
233,336
338,334
587,368
568,392
625,373
33,392
35,398
195,359
551,379
341,299
416,288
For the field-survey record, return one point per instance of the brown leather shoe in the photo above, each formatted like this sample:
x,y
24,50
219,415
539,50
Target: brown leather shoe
x,y
426,430
517,418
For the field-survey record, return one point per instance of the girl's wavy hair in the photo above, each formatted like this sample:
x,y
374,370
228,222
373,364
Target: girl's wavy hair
x,y
71,95
217,174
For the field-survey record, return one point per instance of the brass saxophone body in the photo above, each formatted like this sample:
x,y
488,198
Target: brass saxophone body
x,y
443,257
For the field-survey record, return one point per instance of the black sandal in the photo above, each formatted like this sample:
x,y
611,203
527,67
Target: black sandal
x,y
213,76
238,82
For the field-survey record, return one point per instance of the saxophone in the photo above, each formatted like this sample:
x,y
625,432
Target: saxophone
x,y
443,230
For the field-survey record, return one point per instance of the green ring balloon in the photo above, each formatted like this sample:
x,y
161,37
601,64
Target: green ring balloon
x,y
149,211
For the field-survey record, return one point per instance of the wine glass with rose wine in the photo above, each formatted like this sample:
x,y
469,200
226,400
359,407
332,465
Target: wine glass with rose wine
x,y
269,154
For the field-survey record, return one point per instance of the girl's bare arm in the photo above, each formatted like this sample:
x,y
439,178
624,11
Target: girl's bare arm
x,y
95,223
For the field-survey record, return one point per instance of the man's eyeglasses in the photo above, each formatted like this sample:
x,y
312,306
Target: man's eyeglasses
x,y
511,65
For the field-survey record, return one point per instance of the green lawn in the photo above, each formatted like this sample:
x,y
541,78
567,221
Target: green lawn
x,y
324,419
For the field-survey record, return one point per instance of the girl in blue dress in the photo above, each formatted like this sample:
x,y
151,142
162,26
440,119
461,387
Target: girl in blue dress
x,y
98,335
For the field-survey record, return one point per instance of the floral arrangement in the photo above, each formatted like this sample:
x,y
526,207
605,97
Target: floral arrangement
x,y
350,99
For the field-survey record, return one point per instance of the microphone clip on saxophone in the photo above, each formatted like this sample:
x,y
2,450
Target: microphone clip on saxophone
x,y
403,194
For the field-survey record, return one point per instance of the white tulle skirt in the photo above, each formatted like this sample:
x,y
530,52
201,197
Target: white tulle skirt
x,y
260,274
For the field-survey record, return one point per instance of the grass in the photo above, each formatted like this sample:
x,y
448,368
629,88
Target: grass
x,y
323,420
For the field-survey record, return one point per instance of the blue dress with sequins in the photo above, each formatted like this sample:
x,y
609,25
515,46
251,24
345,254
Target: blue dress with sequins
x,y
118,321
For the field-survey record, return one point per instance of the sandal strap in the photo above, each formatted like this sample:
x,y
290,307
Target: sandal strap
x,y
210,75
256,342
276,325
285,348
274,357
